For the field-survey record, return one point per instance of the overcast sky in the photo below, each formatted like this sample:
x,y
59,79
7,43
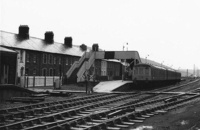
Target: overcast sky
x,y
166,30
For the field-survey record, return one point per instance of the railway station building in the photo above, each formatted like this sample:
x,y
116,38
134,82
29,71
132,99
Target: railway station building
x,y
44,60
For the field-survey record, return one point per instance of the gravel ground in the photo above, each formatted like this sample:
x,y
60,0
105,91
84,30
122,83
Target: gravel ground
x,y
184,118
72,87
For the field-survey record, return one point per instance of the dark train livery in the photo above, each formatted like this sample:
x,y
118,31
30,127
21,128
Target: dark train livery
x,y
153,76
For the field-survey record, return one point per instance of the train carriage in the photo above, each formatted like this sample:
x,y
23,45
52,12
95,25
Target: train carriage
x,y
146,75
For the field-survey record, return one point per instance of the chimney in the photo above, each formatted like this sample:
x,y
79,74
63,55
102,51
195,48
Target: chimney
x,y
83,47
68,41
23,31
95,47
48,37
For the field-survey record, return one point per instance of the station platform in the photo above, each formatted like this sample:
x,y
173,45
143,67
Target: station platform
x,y
109,86
52,90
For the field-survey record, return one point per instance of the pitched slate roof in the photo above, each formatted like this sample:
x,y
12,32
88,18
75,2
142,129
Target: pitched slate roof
x,y
2,49
12,40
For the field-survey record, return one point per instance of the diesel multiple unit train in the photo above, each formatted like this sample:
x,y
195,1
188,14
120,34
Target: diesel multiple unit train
x,y
146,75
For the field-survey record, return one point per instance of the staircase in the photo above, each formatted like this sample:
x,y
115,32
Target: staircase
x,y
76,71
71,73
86,66
75,65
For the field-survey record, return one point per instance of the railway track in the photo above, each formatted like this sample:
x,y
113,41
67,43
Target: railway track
x,y
175,88
123,119
118,105
101,111
25,116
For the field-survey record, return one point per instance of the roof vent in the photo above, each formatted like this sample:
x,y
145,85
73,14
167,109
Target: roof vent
x,y
95,47
48,37
83,47
24,31
68,41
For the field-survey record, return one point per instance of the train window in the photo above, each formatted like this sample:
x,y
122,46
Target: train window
x,y
140,70
146,71
136,71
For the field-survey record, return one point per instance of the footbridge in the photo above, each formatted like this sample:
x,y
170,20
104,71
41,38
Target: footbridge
x,y
79,68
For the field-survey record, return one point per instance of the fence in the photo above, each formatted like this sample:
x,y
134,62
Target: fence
x,y
32,81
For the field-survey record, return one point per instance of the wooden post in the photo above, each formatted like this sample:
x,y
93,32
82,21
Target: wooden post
x,y
33,80
53,79
45,81
24,81
27,81
60,69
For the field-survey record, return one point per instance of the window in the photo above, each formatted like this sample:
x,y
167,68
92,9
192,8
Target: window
x,y
71,61
146,71
50,59
44,72
27,71
67,61
136,70
27,57
59,60
140,70
117,73
22,71
44,58
21,56
34,58
54,72
51,72
54,60
34,71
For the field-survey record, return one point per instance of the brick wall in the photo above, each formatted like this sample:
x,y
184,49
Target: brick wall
x,y
49,64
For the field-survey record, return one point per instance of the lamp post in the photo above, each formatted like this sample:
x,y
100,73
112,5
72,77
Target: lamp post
x,y
146,58
125,46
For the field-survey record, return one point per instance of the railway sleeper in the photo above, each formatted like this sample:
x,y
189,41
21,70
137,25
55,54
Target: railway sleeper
x,y
31,106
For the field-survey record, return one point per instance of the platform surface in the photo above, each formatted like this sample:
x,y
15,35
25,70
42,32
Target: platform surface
x,y
109,86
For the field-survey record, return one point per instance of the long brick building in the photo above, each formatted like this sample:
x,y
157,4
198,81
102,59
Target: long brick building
x,y
45,57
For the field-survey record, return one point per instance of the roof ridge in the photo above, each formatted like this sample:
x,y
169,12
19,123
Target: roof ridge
x,y
36,38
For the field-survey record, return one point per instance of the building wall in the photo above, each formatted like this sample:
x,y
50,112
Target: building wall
x,y
113,70
35,63
98,67
47,64
103,68
8,68
20,62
